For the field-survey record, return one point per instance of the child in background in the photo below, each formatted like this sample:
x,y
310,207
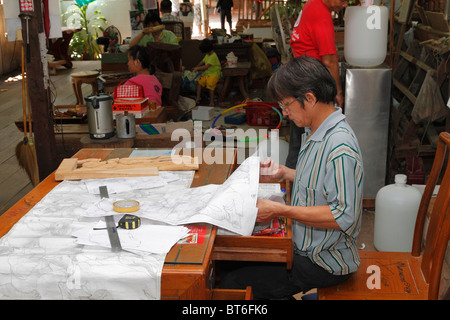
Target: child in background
x,y
139,64
211,65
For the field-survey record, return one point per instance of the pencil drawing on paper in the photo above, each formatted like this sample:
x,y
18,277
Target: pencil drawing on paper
x,y
231,205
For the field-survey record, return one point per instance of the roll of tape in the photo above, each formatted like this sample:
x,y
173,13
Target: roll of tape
x,y
126,206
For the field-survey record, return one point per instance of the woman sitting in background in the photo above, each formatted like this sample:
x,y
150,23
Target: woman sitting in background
x,y
154,32
139,64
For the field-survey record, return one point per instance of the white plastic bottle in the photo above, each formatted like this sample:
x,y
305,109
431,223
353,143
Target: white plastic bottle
x,y
396,207
366,29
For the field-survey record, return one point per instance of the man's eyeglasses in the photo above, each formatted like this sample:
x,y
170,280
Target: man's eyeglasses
x,y
284,106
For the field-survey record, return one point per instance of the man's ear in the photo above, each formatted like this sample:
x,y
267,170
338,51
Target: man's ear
x,y
310,98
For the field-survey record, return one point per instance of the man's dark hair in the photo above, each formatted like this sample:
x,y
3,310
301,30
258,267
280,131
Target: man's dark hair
x,y
166,6
206,45
152,17
302,75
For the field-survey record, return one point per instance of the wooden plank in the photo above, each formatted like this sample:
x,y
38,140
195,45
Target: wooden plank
x,y
405,11
437,20
418,63
94,168
404,90
404,19
102,174
231,294
422,15
93,153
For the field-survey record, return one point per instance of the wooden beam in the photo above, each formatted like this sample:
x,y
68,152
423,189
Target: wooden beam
x,y
418,63
39,94
404,90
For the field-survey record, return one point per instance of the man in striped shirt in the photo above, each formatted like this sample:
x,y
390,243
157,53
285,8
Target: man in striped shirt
x,y
326,201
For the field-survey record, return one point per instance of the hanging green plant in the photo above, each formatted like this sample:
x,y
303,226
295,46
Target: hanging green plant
x,y
140,6
83,45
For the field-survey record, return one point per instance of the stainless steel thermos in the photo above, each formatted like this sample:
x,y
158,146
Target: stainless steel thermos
x,y
100,116
125,125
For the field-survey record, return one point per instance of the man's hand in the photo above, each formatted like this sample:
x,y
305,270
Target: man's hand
x,y
270,171
267,210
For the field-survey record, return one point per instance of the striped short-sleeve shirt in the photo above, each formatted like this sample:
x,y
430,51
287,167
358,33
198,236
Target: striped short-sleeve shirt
x,y
330,172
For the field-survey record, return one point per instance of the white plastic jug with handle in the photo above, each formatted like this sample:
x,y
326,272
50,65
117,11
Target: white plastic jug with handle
x,y
366,29
396,207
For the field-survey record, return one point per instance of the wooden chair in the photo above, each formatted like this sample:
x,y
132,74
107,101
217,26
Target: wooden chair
x,y
408,275
171,83
166,57
190,53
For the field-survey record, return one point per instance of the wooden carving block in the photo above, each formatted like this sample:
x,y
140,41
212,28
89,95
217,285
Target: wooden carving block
x,y
74,169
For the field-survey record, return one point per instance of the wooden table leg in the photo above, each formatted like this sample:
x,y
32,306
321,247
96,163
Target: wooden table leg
x,y
76,84
78,93
94,86
226,87
242,87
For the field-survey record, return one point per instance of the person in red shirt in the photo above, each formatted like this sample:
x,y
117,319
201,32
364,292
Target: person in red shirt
x,y
313,35
139,64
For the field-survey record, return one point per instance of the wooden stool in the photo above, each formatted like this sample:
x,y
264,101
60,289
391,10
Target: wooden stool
x,y
88,77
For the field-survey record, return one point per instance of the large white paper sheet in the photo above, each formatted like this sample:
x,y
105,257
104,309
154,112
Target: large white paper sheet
x,y
39,258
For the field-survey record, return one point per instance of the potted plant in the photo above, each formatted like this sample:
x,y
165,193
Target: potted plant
x,y
84,45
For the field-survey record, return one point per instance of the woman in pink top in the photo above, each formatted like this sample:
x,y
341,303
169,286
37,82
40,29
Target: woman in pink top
x,y
139,64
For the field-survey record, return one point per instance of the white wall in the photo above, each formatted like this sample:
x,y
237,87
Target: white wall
x,y
117,12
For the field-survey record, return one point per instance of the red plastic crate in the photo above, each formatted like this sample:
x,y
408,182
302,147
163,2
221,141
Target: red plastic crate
x,y
262,114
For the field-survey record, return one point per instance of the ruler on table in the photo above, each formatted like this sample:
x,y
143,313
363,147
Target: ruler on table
x,y
111,225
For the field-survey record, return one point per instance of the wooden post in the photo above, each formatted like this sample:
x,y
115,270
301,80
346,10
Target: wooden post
x,y
39,94
205,18
391,33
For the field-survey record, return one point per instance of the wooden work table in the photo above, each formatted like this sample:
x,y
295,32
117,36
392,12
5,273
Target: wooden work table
x,y
188,271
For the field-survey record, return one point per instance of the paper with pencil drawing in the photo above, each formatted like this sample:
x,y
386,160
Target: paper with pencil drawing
x,y
149,238
231,205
